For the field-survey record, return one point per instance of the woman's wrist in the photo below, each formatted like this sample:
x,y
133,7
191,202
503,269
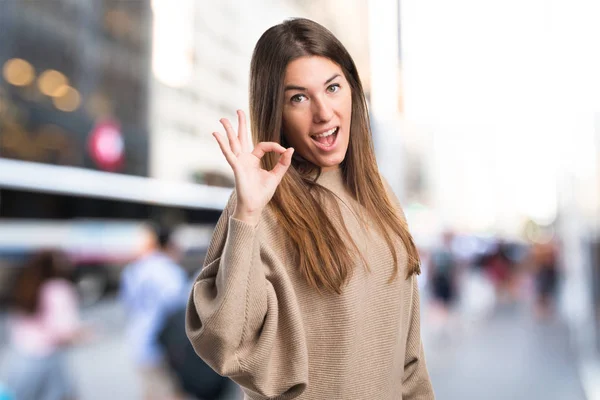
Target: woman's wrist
x,y
248,217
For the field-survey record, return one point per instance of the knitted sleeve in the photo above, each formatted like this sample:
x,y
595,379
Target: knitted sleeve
x,y
241,318
416,384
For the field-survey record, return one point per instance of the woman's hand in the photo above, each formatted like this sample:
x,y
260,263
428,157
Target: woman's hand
x,y
254,185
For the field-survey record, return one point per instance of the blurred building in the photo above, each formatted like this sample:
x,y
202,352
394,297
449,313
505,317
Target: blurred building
x,y
74,86
73,114
73,92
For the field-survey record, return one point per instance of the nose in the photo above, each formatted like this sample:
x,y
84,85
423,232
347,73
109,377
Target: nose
x,y
322,110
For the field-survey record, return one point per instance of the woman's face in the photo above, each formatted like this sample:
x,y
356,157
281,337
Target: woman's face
x,y
317,110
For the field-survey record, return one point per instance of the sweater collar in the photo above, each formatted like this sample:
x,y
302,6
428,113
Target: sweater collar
x,y
332,179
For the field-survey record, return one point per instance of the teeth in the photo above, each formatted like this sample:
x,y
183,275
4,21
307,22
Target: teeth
x,y
328,133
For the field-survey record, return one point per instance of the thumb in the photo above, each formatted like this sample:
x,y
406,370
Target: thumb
x,y
283,164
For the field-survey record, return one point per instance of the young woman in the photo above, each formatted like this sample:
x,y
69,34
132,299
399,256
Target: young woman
x,y
309,286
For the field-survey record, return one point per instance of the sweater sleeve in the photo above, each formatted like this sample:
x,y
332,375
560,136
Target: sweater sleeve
x,y
239,319
416,383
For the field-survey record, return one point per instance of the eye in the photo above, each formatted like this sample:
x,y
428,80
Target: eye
x,y
298,98
333,88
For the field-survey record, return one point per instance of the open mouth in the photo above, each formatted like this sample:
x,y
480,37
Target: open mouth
x,y
326,139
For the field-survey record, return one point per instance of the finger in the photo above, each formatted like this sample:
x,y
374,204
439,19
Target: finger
x,y
234,143
229,156
243,131
265,147
283,164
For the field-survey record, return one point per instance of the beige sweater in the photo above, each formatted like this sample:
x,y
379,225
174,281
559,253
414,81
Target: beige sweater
x,y
252,317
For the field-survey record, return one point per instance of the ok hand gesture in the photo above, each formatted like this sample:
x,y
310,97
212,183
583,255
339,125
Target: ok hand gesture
x,y
254,185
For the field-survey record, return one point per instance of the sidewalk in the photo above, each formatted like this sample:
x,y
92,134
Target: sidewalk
x,y
507,356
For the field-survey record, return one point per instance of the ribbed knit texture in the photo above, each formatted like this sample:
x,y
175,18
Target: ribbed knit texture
x,y
252,317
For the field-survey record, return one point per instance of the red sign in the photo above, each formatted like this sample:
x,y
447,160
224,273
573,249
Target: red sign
x,y
106,146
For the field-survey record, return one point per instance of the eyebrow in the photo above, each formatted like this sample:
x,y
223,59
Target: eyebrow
x,y
293,87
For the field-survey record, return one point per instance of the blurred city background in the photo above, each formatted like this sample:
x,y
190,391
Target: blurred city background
x,y
486,119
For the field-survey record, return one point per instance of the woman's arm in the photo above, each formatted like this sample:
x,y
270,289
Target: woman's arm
x,y
235,320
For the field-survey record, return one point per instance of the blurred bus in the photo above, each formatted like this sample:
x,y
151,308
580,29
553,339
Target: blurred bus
x,y
96,218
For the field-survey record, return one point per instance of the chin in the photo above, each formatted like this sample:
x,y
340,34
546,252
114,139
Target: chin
x,y
330,163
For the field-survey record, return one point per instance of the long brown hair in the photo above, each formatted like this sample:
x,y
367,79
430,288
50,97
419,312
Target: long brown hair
x,y
39,268
325,259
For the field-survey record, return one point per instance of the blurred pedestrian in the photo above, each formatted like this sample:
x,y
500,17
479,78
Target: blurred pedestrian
x,y
501,271
443,275
43,323
309,289
153,287
545,257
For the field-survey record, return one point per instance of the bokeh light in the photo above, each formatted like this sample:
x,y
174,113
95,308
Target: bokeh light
x,y
53,83
69,101
18,72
